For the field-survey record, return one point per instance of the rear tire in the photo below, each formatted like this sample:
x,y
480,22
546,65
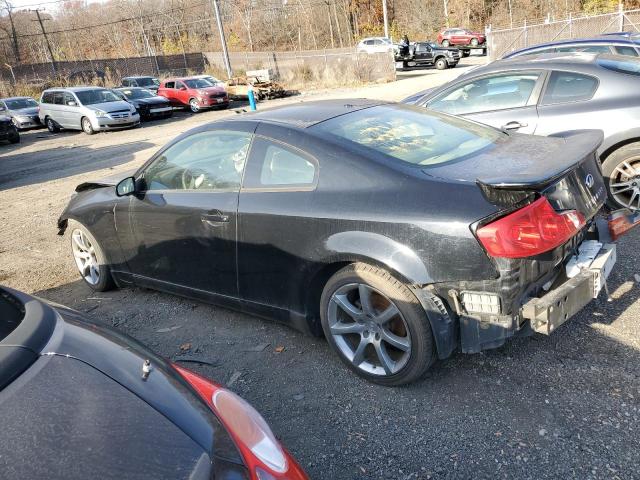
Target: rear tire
x,y
441,64
399,347
445,43
89,258
621,171
51,125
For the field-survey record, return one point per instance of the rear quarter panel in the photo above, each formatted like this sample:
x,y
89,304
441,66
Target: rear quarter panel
x,y
361,210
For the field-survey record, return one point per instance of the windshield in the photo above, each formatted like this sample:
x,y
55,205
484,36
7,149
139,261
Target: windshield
x,y
412,134
198,83
19,103
91,97
147,82
136,93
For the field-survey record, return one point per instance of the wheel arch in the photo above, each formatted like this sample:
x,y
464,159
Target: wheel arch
x,y
615,142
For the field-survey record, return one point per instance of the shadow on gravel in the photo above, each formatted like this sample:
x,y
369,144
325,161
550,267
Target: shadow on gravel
x,y
29,168
562,406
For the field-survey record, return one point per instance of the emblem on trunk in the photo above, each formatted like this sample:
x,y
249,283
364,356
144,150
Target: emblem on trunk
x,y
588,180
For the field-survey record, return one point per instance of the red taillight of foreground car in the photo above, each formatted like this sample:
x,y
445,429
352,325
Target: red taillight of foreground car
x,y
534,229
266,459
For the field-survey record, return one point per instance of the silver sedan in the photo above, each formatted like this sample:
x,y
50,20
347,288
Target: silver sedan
x,y
552,93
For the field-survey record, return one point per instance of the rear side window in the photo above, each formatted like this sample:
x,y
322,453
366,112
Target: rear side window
x,y
170,85
565,87
58,98
275,165
630,66
628,51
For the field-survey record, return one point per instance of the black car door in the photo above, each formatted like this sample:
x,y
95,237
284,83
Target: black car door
x,y
276,200
423,53
182,219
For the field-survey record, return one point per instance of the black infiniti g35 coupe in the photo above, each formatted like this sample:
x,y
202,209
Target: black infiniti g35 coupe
x,y
401,234
81,401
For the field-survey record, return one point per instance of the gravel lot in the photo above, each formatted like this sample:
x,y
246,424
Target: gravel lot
x,y
565,406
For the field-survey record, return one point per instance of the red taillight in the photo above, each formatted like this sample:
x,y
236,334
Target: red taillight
x,y
263,454
534,229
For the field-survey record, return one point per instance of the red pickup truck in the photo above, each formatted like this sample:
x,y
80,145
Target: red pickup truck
x,y
460,37
194,93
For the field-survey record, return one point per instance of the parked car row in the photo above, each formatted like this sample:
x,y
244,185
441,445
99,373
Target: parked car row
x,y
95,109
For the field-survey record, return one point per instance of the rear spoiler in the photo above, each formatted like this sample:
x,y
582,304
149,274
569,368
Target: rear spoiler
x,y
580,145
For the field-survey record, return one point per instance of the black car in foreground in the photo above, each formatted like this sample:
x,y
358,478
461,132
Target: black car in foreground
x,y
401,234
8,130
79,401
149,105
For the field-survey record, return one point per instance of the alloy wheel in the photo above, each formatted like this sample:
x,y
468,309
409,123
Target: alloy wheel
x,y
369,329
85,256
86,126
193,104
624,183
51,126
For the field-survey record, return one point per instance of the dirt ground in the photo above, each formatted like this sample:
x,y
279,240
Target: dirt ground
x,y
564,406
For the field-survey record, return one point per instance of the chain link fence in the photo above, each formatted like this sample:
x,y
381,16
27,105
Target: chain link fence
x,y
501,42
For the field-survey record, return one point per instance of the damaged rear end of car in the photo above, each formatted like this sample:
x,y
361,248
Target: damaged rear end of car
x,y
550,258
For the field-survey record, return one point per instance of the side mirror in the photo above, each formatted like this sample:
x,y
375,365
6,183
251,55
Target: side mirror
x,y
126,187
71,103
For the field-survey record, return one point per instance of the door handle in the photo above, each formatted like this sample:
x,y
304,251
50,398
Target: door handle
x,y
214,217
514,125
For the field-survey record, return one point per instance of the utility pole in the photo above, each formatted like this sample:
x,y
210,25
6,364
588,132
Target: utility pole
x,y
384,16
44,33
223,40
16,50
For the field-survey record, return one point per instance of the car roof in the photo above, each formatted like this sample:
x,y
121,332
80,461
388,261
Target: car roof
x,y
15,98
307,114
603,40
555,60
73,89
138,76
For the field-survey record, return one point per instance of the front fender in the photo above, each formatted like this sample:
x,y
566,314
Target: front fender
x,y
381,249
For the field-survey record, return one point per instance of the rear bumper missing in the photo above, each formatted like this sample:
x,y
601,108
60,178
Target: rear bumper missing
x,y
556,307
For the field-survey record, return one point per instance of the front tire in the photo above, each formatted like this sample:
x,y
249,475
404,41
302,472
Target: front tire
x,y
14,137
193,106
52,126
376,325
621,171
441,64
466,53
87,127
474,42
90,258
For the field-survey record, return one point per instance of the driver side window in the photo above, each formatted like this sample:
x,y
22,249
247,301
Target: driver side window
x,y
486,94
206,161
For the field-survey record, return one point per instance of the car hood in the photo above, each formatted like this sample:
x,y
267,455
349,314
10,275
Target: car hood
x,y
519,160
151,101
210,90
25,111
109,181
110,107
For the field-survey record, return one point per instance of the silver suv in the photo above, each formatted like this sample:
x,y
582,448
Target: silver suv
x,y
90,109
